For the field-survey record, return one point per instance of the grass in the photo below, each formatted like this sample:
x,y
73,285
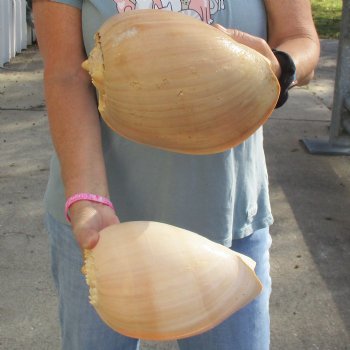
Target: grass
x,y
327,17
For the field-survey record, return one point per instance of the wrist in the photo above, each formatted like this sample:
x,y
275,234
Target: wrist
x,y
81,200
287,75
80,207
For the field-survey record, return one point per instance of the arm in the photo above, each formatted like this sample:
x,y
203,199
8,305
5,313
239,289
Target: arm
x,y
73,116
290,29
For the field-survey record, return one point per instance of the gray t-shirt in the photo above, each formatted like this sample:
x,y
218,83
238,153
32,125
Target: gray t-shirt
x,y
222,196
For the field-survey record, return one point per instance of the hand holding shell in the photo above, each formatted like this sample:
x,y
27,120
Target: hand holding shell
x,y
155,281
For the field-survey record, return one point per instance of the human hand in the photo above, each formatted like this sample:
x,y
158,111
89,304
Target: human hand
x,y
255,43
88,219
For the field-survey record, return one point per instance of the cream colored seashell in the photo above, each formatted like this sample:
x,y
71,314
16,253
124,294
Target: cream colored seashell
x,y
170,81
155,281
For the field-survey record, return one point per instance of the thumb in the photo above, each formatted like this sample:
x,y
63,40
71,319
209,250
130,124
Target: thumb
x,y
88,235
87,238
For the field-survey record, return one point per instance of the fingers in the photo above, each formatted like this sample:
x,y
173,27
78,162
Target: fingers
x,y
88,220
220,27
258,44
87,238
241,37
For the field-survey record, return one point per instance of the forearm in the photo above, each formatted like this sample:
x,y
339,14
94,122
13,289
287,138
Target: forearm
x,y
291,29
305,60
73,116
75,130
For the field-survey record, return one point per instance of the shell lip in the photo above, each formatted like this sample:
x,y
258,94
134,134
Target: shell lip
x,y
88,270
94,64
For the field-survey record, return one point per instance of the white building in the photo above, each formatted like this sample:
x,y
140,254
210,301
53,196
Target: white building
x,y
15,31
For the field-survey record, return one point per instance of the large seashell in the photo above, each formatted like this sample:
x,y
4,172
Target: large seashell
x,y
155,281
170,81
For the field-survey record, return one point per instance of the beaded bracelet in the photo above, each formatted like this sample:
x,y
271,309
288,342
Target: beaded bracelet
x,y
85,197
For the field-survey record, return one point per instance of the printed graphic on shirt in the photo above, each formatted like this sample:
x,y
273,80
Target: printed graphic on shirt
x,y
200,9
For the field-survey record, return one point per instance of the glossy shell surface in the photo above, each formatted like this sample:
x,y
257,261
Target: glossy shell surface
x,y
170,81
155,281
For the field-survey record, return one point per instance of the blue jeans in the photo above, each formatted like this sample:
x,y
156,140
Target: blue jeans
x,y
82,329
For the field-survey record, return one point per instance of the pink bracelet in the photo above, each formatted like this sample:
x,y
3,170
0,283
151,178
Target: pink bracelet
x,y
85,197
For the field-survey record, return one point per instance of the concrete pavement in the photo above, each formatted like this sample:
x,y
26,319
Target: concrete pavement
x,y
310,255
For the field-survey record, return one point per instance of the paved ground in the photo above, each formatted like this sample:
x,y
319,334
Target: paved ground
x,y
310,256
